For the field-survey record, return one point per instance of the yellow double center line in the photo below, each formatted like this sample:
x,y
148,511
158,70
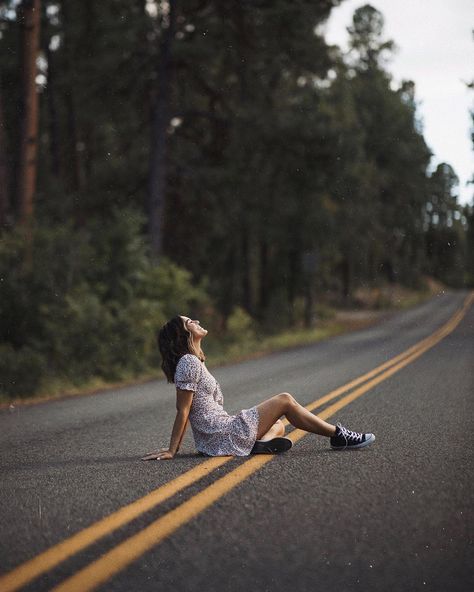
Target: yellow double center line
x,y
132,548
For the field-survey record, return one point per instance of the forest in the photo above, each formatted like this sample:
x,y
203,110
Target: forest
x,y
220,159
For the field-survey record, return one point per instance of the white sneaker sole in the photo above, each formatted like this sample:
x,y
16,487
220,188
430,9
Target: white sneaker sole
x,y
369,440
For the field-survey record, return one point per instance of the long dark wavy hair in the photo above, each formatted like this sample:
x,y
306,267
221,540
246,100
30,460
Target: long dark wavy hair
x,y
174,341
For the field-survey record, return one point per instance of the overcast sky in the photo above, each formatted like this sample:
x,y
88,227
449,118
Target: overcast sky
x,y
436,51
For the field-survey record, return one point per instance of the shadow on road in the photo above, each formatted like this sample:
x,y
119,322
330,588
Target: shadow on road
x,y
111,460
89,461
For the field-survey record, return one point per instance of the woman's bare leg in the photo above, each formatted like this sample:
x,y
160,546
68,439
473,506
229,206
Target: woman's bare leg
x,y
299,417
276,431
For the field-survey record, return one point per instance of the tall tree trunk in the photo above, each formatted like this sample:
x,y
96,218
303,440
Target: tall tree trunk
x,y
309,264
4,181
53,114
159,125
346,275
76,176
29,21
293,272
246,269
264,292
308,305
91,39
74,166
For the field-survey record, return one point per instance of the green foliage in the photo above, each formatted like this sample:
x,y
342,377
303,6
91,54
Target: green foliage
x,y
447,258
174,287
240,326
469,215
21,371
87,305
240,332
292,172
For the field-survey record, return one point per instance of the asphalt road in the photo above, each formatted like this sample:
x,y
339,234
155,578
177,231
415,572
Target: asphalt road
x,y
397,515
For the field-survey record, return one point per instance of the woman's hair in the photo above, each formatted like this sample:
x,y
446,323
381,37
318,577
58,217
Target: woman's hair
x,y
175,341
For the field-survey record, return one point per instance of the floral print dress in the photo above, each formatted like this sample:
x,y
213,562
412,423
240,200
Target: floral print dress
x,y
216,433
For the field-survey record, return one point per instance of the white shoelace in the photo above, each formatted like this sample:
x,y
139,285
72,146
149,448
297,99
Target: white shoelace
x,y
349,434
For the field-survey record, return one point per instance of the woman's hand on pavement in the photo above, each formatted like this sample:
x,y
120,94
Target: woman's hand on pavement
x,y
163,454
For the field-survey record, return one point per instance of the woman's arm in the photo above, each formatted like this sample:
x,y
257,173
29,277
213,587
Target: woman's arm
x,y
184,401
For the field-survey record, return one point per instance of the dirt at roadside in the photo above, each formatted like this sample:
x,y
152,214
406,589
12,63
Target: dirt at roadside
x,y
375,304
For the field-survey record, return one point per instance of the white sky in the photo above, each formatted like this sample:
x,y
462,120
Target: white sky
x,y
435,50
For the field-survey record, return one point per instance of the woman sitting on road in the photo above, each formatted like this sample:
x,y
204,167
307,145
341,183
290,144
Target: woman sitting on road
x,y
257,430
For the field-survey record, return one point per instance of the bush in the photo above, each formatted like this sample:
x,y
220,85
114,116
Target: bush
x,y
173,287
87,304
240,327
21,371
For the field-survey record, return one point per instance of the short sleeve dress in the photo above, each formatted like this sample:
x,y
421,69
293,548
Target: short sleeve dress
x,y
216,433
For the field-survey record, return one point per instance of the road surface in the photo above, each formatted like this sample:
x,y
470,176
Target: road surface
x,y
79,511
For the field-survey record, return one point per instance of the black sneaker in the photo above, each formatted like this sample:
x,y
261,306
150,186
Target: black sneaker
x,y
273,446
344,438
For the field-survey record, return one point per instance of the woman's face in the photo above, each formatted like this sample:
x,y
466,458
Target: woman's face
x,y
194,328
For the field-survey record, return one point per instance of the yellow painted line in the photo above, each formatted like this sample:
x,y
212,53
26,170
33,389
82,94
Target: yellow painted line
x,y
132,548
31,569
361,379
118,558
50,558
431,342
